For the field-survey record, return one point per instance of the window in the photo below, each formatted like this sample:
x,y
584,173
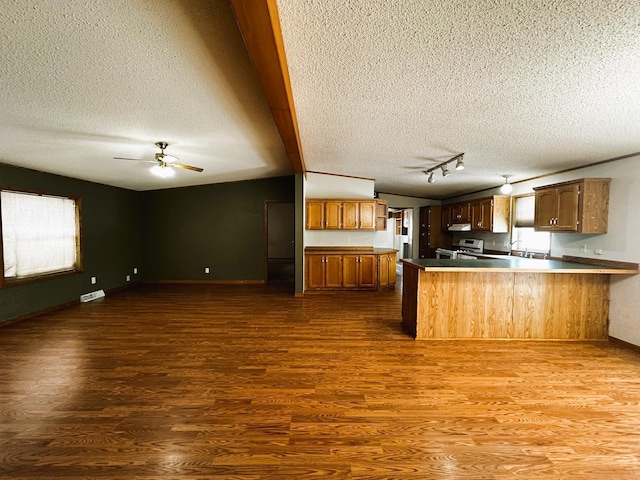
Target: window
x,y
522,232
40,235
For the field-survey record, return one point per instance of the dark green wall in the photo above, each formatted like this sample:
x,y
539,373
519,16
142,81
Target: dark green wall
x,y
110,241
220,226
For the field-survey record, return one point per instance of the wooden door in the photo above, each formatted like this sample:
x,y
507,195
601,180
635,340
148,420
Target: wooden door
x,y
367,215
367,271
280,242
332,215
315,215
567,216
333,271
350,215
315,271
350,271
545,209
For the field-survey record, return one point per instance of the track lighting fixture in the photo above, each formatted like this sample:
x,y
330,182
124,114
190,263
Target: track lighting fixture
x,y
444,167
506,187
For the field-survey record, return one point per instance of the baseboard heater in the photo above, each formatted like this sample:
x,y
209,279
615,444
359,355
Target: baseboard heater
x,y
87,297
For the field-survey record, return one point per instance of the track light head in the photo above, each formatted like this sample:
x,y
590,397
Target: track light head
x,y
432,177
460,163
445,171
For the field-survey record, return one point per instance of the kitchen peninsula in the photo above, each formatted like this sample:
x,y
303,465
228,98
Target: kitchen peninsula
x,y
508,298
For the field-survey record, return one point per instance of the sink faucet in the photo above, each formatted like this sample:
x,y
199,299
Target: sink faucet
x,y
513,243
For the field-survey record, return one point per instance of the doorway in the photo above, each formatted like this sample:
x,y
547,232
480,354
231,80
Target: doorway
x,y
280,242
402,219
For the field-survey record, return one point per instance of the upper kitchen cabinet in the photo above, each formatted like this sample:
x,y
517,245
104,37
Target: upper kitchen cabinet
x,y
580,206
491,214
461,213
339,214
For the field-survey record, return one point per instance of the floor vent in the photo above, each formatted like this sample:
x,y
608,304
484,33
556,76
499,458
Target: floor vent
x,y
87,297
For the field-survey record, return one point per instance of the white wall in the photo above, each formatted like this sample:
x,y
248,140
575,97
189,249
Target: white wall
x,y
620,243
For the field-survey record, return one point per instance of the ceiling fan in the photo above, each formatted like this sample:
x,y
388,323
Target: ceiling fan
x,y
163,162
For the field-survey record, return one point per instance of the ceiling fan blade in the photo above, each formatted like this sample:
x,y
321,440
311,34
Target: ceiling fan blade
x,y
134,159
186,167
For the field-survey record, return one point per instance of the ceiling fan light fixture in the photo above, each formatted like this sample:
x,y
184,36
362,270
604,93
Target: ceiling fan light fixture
x,y
162,171
506,187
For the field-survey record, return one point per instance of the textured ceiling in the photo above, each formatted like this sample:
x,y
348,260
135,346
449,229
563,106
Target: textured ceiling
x,y
386,88
383,89
84,81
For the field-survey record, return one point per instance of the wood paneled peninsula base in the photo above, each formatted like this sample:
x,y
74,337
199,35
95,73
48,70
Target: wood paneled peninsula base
x,y
511,298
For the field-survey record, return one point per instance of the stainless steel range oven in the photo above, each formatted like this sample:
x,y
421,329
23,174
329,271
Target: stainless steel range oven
x,y
465,245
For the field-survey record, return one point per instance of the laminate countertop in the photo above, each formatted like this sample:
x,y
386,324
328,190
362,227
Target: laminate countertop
x,y
517,265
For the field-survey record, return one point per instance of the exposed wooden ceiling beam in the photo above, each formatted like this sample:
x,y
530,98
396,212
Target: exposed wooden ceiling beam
x,y
260,28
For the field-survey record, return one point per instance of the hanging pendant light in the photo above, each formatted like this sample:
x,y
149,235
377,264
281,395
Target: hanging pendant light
x,y
506,187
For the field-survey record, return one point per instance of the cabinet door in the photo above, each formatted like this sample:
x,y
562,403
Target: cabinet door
x,y
315,215
545,209
367,215
332,215
315,271
446,217
476,215
350,215
383,271
486,215
460,213
333,271
567,216
367,271
424,232
350,271
381,215
392,269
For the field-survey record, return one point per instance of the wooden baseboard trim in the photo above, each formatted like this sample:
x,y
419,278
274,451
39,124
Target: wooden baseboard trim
x,y
62,306
207,282
623,344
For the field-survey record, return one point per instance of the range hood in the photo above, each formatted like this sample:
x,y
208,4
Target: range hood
x,y
460,227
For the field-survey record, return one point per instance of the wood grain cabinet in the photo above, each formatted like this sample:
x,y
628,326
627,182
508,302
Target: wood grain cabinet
x,y
338,214
580,206
359,271
350,269
315,214
431,231
386,270
445,220
460,213
491,214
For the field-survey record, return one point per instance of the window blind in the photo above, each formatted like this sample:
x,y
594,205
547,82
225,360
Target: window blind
x,y
524,211
38,234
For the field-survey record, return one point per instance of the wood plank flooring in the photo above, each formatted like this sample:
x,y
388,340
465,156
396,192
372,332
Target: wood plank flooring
x,y
251,383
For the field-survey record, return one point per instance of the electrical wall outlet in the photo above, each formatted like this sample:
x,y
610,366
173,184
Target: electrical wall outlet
x,y
135,270
128,278
598,251
93,280
583,248
206,269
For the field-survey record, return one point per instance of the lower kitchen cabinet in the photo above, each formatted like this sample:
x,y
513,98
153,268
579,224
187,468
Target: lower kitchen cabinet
x,y
359,268
387,270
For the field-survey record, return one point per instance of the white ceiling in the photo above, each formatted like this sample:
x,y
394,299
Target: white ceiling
x,y
383,89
